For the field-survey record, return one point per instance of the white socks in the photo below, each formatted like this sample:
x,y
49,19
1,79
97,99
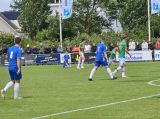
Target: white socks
x,y
123,71
109,72
16,89
116,65
92,73
79,62
82,63
119,68
9,84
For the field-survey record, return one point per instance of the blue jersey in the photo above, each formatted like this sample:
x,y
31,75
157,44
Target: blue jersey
x,y
101,48
13,53
66,57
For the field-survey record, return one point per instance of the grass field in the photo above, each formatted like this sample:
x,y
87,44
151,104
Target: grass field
x,y
53,89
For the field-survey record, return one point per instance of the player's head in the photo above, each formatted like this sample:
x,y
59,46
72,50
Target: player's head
x,y
17,40
66,52
83,40
116,47
124,38
103,40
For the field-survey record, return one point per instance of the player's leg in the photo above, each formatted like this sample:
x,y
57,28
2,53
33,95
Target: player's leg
x,y
79,62
123,72
115,61
120,67
93,71
83,58
9,84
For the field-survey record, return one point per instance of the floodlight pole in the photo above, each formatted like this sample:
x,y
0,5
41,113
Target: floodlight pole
x,y
149,29
60,23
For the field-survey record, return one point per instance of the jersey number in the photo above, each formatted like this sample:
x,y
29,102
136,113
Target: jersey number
x,y
98,49
11,55
120,48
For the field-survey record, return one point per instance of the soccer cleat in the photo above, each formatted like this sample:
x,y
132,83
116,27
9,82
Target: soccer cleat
x,y
78,68
125,77
114,78
18,97
90,79
2,94
82,67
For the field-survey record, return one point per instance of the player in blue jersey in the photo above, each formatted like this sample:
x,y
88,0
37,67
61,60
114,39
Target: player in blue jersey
x,y
66,60
101,59
14,57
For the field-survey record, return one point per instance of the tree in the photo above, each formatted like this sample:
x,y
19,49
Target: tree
x,y
132,13
33,16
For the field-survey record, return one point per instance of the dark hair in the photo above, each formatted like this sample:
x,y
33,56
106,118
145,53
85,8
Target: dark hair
x,y
124,36
66,51
143,39
17,40
83,39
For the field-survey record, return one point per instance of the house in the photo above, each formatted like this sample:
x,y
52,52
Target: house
x,y
9,22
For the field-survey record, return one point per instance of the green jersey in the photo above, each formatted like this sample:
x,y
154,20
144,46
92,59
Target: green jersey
x,y
122,45
112,54
81,45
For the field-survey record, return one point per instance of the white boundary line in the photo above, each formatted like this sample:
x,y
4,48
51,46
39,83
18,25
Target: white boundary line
x,y
151,82
94,107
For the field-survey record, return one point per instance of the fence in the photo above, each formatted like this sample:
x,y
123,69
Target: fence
x,y
89,57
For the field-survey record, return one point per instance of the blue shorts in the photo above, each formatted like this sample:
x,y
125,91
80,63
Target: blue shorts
x,y
103,63
13,73
66,64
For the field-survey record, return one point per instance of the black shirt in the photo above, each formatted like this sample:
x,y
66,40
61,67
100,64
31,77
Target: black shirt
x,y
93,49
54,49
47,50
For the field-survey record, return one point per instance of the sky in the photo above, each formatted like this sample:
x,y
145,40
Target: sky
x,y
4,5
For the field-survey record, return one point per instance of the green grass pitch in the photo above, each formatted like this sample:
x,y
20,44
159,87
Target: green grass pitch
x,y
54,89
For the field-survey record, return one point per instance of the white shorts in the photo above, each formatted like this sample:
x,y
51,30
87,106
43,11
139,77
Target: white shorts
x,y
122,61
111,61
82,54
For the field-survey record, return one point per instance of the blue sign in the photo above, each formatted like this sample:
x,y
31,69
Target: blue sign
x,y
48,59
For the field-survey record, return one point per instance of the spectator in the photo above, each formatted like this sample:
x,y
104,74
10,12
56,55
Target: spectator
x,y
5,50
94,47
21,49
35,50
75,49
111,47
150,46
0,50
54,49
60,49
28,49
138,46
132,45
68,48
41,49
87,48
144,45
47,50
158,44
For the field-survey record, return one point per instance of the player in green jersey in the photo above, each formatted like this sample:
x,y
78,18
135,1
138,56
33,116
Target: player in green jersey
x,y
112,57
122,49
81,53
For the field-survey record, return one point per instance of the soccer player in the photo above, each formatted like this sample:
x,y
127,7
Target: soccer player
x,y
112,57
66,60
81,53
122,49
14,57
101,59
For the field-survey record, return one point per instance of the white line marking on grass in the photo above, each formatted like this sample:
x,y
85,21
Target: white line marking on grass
x,y
94,107
151,82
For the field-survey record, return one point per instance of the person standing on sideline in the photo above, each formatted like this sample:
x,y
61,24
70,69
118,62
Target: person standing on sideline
x,y
144,45
158,44
132,45
14,57
41,48
111,47
67,62
60,49
94,47
0,50
101,59
87,48
5,50
75,49
122,49
28,49
81,53
138,46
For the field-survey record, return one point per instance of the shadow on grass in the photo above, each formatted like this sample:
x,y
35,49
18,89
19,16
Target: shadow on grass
x,y
27,97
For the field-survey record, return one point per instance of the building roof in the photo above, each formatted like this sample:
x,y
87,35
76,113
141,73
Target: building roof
x,y
11,24
11,15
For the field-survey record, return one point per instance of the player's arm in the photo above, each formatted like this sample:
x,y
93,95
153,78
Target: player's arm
x,y
127,52
105,55
19,65
7,58
114,52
